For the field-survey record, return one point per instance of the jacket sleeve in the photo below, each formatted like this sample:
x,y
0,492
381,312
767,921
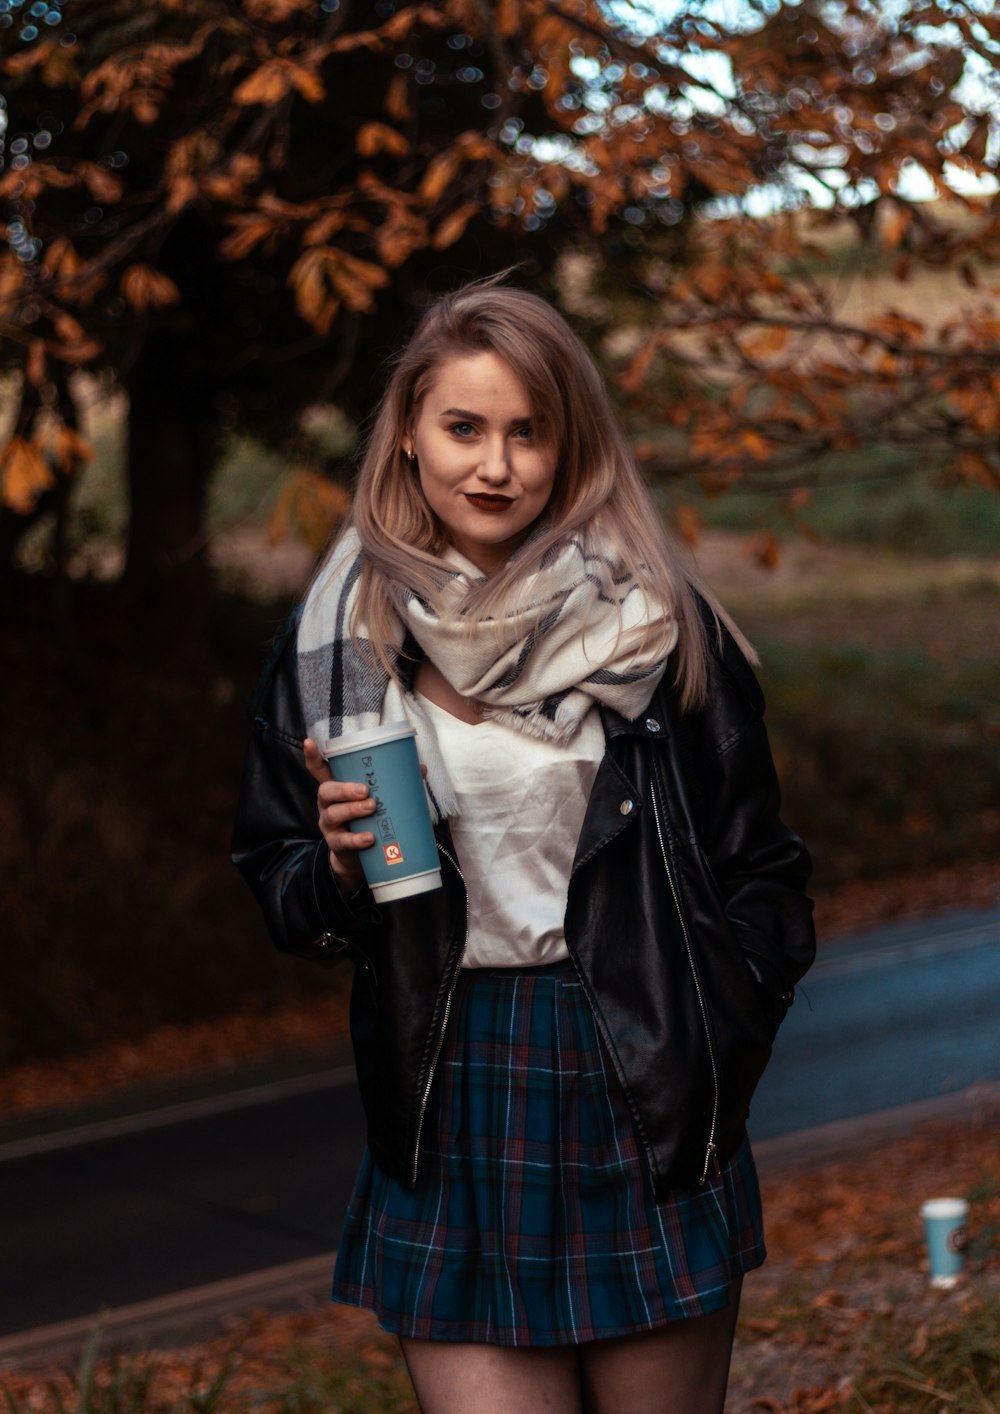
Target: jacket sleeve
x,y
760,866
277,845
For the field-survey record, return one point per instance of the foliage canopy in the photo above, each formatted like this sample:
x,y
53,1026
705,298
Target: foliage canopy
x,y
234,205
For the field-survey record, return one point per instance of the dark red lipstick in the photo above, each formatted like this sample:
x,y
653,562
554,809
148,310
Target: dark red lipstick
x,y
484,502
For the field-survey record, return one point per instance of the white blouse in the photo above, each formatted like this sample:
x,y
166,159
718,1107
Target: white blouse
x,y
521,806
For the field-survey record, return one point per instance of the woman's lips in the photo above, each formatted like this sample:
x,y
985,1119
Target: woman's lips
x,y
489,503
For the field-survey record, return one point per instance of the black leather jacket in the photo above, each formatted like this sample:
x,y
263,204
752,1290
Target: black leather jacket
x,y
686,918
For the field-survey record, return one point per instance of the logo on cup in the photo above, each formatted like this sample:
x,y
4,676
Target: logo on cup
x,y
958,1239
393,853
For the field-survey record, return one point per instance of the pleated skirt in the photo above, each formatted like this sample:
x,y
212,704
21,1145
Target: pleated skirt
x,y
533,1223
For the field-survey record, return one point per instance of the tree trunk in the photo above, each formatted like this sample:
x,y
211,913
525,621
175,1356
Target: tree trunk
x,y
172,445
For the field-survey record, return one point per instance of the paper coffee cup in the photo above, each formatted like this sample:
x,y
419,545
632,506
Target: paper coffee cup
x,y
403,860
947,1238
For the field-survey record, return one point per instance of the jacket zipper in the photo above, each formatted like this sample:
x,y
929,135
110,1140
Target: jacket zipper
x,y
711,1152
444,1022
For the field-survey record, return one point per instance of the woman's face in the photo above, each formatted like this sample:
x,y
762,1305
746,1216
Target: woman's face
x,y
482,469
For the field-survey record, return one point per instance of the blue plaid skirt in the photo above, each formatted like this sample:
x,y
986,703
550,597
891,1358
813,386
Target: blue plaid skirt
x,y
533,1221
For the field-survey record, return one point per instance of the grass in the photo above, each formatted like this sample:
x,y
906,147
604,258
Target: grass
x,y
879,500
889,762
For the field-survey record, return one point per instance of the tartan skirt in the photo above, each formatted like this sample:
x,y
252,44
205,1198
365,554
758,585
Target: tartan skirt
x,y
533,1221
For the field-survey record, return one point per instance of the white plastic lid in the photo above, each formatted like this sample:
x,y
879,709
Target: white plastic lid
x,y
372,736
945,1208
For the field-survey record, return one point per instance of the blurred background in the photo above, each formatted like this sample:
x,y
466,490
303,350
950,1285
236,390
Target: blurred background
x,y
776,225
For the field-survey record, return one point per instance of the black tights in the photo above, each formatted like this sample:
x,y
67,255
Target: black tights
x,y
681,1368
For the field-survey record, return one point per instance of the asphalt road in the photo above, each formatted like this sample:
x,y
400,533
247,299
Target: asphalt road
x,y
198,1188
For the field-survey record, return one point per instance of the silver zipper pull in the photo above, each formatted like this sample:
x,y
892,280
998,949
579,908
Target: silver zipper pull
x,y
711,1162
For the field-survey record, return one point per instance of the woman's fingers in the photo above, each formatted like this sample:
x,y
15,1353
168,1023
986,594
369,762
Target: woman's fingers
x,y
315,761
338,803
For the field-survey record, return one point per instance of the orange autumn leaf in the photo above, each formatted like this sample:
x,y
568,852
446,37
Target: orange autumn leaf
x,y
68,446
249,231
266,85
102,184
309,506
508,18
397,98
24,475
688,523
766,342
307,83
146,288
453,227
765,550
276,11
439,174
374,138
34,367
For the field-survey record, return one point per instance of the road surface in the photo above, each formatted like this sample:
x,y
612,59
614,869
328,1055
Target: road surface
x,y
124,1207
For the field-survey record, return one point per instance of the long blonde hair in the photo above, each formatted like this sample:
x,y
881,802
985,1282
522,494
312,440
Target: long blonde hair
x,y
599,492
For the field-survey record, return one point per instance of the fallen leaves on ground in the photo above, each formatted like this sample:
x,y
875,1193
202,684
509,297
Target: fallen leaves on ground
x,y
840,1318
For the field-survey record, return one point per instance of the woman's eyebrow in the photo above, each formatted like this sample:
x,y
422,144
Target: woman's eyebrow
x,y
478,416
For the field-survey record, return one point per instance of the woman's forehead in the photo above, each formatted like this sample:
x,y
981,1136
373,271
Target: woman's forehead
x,y
477,375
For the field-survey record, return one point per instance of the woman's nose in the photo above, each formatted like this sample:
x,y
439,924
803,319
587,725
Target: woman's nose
x,y
494,467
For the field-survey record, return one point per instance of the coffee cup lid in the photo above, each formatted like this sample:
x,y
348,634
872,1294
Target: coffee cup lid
x,y
944,1208
371,736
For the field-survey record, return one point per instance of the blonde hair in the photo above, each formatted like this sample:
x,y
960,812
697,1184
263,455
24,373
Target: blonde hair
x,y
599,492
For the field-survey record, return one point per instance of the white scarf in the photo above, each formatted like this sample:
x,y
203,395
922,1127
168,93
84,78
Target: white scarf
x,y
581,631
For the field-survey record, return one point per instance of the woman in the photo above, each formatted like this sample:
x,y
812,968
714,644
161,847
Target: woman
x,y
556,1050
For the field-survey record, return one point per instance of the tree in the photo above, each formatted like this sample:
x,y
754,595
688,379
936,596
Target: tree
x,y
234,205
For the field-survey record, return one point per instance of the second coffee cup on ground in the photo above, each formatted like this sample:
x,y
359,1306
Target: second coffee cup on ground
x,y
403,860
947,1238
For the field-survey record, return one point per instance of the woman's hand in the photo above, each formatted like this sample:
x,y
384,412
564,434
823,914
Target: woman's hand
x,y
339,803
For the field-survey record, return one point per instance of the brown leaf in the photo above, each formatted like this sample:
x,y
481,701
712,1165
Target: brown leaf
x,y
29,58
24,475
688,523
69,447
765,550
145,288
12,279
307,83
102,184
374,138
275,12
34,367
972,467
765,342
755,443
440,171
399,236
453,226
182,190
265,85
969,274
249,231
508,20
310,506
397,98
896,227
67,327
308,278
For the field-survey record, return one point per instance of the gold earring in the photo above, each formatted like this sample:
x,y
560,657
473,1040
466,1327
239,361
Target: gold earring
x,y
410,455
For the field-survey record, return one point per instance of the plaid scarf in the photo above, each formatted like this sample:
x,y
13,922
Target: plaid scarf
x,y
578,633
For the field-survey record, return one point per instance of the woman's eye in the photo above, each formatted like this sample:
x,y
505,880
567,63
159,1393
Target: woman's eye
x,y
526,433
462,429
